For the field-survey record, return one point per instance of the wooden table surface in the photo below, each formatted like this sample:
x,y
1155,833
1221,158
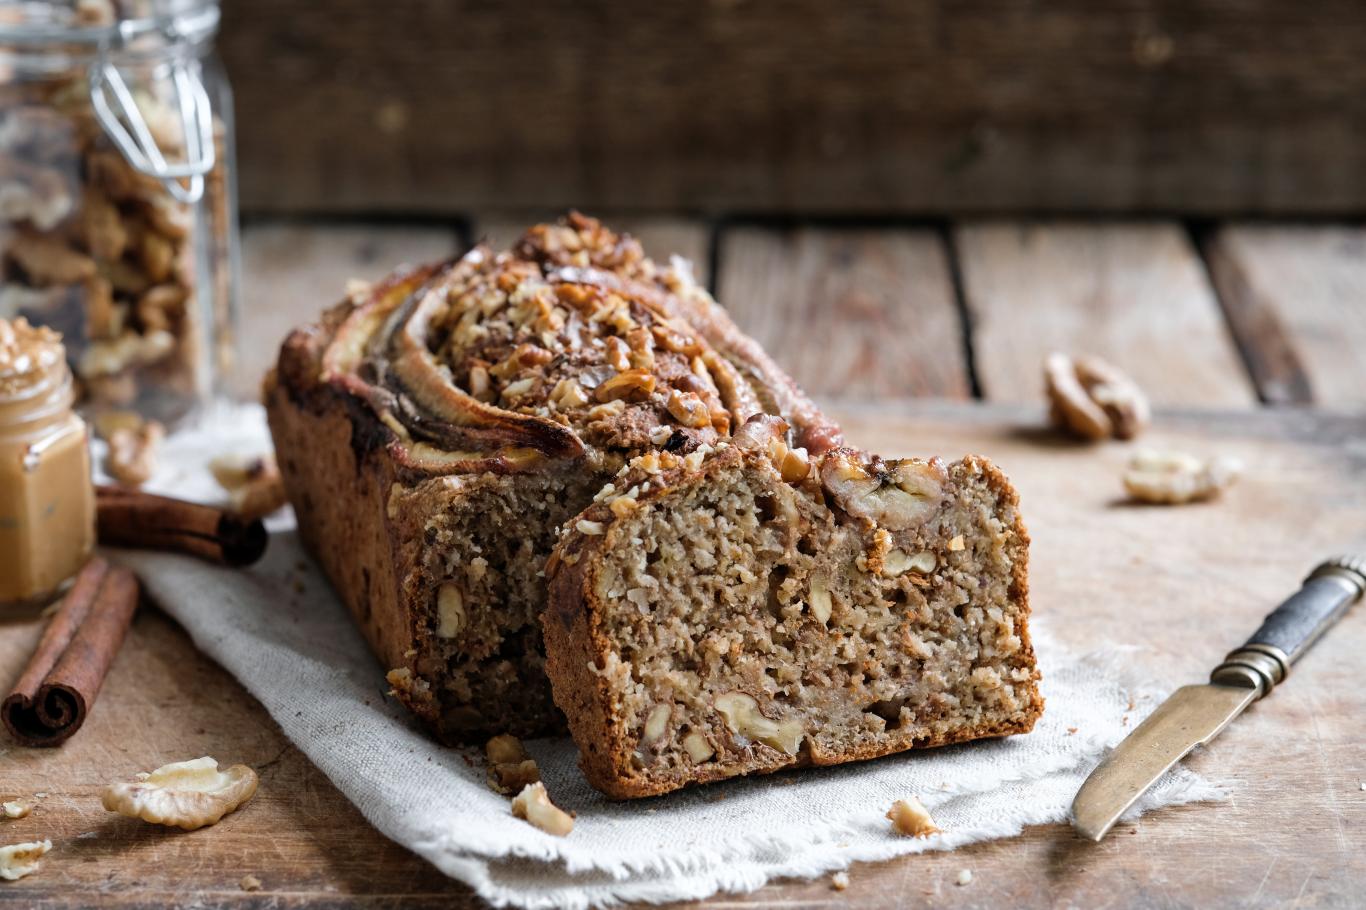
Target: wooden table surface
x,y
1215,323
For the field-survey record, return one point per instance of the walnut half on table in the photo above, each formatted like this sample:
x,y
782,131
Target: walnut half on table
x,y
188,794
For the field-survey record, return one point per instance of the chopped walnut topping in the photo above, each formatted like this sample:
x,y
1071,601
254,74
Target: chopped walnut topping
x,y
839,881
634,384
479,383
534,805
568,394
188,794
19,860
249,883
688,409
618,354
911,819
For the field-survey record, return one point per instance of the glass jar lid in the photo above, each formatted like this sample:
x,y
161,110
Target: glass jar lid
x,y
93,22
112,35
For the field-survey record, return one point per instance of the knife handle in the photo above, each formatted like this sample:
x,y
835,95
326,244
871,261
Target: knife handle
x,y
1295,625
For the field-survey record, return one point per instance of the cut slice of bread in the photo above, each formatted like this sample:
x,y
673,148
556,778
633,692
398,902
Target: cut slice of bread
x,y
748,609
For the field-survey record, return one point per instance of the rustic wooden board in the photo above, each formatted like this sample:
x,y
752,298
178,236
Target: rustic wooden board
x,y
1181,585
1296,298
1135,294
849,311
291,272
662,236
941,105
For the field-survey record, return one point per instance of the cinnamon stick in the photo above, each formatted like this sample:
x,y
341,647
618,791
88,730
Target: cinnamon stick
x,y
58,687
131,518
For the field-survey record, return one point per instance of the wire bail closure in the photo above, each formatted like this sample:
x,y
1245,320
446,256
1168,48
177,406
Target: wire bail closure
x,y
123,122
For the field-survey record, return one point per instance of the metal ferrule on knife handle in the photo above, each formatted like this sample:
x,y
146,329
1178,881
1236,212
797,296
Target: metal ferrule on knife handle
x,y
1292,627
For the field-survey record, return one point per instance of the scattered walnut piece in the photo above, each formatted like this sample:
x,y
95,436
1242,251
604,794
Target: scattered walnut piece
x,y
132,456
188,794
911,819
839,881
505,748
511,770
255,488
957,544
534,805
249,883
1093,399
18,860
1172,478
19,808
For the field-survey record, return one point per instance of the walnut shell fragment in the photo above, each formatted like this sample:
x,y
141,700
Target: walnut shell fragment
x,y
188,794
19,860
1094,399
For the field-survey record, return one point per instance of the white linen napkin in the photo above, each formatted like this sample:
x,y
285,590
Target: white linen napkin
x,y
282,632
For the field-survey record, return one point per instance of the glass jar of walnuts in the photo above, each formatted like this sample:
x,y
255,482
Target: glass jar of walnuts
x,y
117,213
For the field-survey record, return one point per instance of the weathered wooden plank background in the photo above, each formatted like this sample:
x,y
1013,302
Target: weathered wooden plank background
x,y
1218,317
933,106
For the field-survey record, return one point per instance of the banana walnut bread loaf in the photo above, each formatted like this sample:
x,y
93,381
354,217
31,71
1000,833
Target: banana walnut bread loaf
x,y
731,588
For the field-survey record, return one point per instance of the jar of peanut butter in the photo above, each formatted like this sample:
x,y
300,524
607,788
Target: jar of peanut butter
x,y
47,499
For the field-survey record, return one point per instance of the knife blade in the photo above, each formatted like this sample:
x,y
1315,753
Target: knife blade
x,y
1194,715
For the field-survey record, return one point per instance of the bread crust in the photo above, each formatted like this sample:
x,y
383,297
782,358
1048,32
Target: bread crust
x,y
339,475
378,442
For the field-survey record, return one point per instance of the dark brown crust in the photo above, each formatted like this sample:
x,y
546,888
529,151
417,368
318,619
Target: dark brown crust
x,y
337,467
576,645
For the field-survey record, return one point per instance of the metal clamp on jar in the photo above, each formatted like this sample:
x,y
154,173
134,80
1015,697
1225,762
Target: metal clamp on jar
x,y
117,216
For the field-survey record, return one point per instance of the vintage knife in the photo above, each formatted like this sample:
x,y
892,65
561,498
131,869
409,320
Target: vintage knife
x,y
1196,714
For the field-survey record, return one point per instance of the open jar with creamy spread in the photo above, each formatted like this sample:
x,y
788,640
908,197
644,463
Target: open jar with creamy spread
x,y
47,500
117,218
